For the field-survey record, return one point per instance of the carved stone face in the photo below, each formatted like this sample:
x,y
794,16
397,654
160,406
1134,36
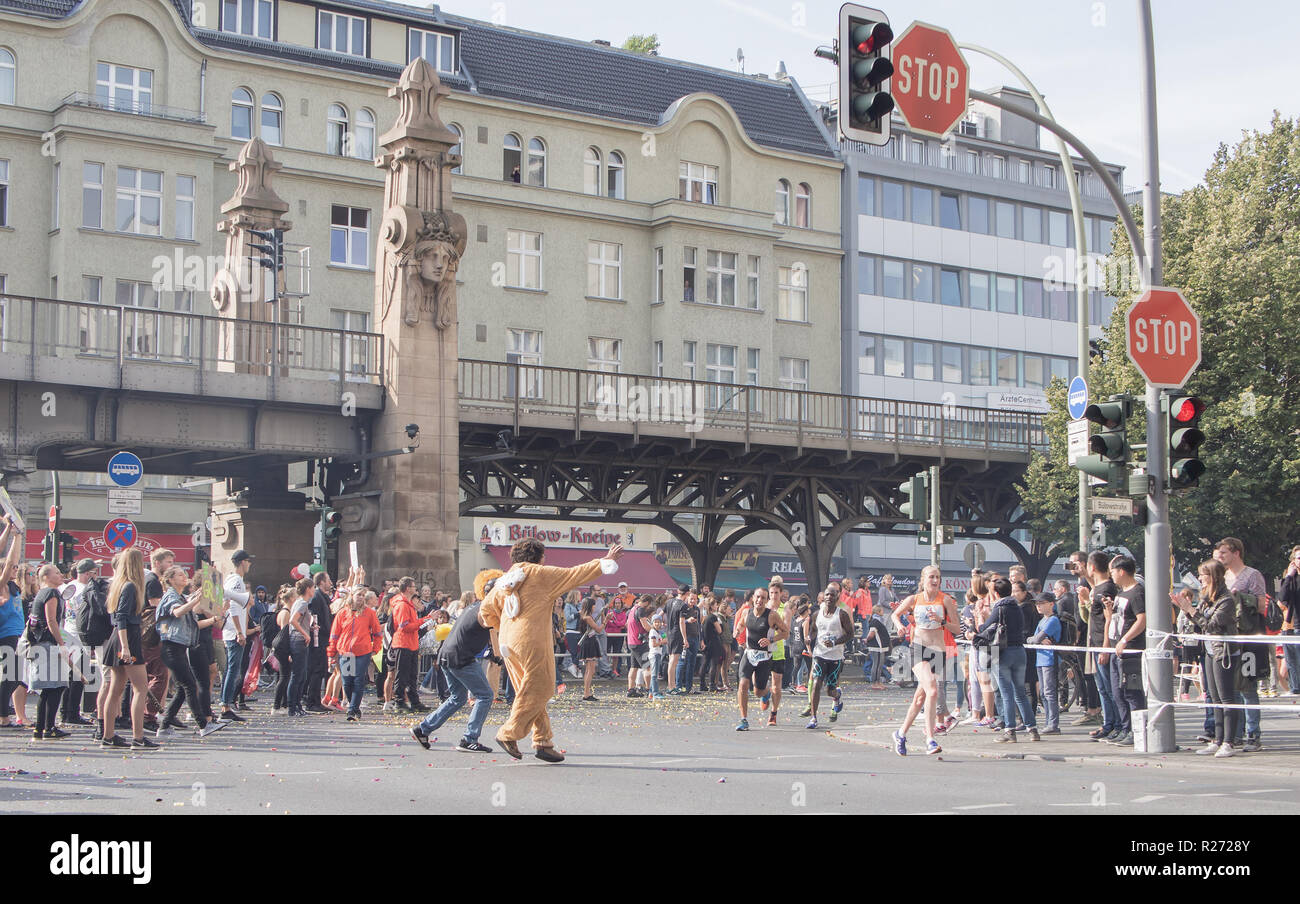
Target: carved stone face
x,y
436,262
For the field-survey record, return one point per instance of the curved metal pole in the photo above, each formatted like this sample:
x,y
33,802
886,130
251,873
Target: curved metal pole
x,y
1081,264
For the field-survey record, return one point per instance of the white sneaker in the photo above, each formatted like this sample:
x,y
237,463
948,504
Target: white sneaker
x,y
390,706
164,733
1210,749
573,672
969,721
1226,750
282,711
213,726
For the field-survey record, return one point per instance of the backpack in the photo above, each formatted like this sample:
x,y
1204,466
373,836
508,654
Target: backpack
x,y
1274,616
1249,619
1069,631
94,624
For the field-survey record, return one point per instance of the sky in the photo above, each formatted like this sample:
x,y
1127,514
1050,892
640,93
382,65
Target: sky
x,y
1221,69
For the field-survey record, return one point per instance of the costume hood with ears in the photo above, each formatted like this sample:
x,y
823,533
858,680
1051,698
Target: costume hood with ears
x,y
482,579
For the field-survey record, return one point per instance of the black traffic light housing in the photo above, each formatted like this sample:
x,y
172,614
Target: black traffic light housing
x,y
272,250
865,67
1183,415
1110,447
49,548
68,549
331,525
917,491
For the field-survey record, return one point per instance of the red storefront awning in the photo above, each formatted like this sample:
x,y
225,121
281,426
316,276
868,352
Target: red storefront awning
x,y
641,570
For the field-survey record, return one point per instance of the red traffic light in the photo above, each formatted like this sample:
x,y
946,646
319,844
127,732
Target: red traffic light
x,y
869,39
1186,409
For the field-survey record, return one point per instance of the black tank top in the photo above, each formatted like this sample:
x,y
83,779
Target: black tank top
x,y
756,628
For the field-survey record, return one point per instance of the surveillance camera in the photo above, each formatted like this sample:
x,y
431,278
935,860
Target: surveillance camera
x,y
412,430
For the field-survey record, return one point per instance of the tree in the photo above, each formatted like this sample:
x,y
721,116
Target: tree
x,y
1232,244
642,43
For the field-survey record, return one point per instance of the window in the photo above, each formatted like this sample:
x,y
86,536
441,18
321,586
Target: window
x,y
1034,371
342,34
185,208
247,17
363,146
604,270
922,206
922,360
1024,171
604,355
123,88
949,211
1060,368
751,368
92,195
916,151
688,360
972,160
659,275
349,236
751,282
698,182
511,158
866,274
979,215
922,282
950,288
523,259
139,330
591,171
998,167
1057,228
720,278
90,324
868,349
803,206
336,139
356,350
659,357
54,198
1006,220
241,114
537,162
1031,221
524,349
438,48
952,364
891,196
866,196
1060,305
8,77
272,119
782,202
1033,298
792,293
1049,176
979,291
457,149
1008,368
794,377
981,366
688,274
720,367
895,362
615,172
892,283
1007,295
139,201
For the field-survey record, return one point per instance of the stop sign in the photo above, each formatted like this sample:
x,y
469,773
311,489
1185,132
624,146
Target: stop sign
x,y
1164,337
54,517
931,79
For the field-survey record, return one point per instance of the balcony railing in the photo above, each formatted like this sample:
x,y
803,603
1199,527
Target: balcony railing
x,y
50,328
761,414
136,108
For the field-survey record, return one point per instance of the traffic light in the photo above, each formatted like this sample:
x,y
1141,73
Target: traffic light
x,y
864,104
917,506
331,525
201,555
1110,446
48,547
1185,438
272,249
69,548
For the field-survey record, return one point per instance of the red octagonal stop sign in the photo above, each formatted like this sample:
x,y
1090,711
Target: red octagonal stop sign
x,y
931,79
1164,337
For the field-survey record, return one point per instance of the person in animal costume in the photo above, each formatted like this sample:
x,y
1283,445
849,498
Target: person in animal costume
x,y
519,606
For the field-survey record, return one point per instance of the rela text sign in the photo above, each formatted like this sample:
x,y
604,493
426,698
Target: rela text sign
x,y
931,79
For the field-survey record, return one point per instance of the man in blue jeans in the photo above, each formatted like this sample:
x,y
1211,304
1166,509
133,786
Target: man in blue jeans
x,y
1009,662
459,663
234,632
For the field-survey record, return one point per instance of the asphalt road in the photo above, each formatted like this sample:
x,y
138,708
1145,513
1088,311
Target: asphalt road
x,y
624,756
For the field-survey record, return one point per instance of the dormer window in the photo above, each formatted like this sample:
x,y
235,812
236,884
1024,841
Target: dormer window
x,y
341,34
248,17
437,47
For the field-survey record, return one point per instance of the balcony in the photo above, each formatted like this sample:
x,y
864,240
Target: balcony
x,y
145,108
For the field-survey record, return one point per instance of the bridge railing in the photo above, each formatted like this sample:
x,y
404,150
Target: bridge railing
x,y
45,327
754,413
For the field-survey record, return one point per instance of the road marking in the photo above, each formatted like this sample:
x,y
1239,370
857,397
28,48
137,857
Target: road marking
x,y
787,756
1147,798
356,768
277,774
1266,791
980,806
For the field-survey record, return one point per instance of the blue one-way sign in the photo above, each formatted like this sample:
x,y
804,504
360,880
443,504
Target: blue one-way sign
x,y
125,469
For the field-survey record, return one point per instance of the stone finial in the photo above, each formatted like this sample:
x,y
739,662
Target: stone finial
x,y
418,91
255,166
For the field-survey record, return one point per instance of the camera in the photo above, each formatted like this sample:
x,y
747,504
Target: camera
x,y
412,430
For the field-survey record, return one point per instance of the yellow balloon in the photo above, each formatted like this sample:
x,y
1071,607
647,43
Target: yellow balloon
x,y
441,631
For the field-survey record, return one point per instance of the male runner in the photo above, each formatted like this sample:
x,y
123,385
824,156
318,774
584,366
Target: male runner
x,y
828,633
758,627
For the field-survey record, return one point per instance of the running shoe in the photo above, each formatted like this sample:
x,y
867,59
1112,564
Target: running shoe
x,y
971,720
765,701
231,716
743,726
803,688
932,747
143,744
837,709
771,719
116,742
658,697
900,744
468,746
1225,750
948,724
420,737
1209,749
806,713
590,699
812,723
210,728
166,732
987,722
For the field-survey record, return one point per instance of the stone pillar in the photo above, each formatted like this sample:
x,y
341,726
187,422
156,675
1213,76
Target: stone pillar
x,y
17,471
278,538
405,516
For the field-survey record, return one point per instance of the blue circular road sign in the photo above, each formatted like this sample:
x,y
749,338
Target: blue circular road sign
x,y
119,533
125,469
1076,397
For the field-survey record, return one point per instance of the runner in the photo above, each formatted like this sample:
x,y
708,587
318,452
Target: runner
x,y
779,601
829,631
933,611
760,626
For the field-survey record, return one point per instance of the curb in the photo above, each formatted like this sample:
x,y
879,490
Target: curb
x,y
1163,761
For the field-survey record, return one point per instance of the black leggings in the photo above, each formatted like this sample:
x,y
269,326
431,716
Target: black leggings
x,y
177,659
405,684
1220,685
200,658
48,709
281,651
9,670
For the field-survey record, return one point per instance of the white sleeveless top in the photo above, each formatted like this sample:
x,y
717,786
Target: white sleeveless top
x,y
829,626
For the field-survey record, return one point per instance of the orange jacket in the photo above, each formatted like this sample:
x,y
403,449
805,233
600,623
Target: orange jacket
x,y
862,602
406,624
357,633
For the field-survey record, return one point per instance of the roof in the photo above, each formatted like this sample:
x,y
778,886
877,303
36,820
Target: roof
x,y
547,71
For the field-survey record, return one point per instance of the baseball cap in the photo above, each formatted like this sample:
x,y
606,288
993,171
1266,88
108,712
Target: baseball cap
x,y
622,583
88,565
241,555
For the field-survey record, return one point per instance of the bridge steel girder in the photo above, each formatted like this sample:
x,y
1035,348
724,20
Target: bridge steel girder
x,y
654,481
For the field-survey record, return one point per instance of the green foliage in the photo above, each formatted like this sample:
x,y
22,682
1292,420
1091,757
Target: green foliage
x,y
642,43
1232,245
